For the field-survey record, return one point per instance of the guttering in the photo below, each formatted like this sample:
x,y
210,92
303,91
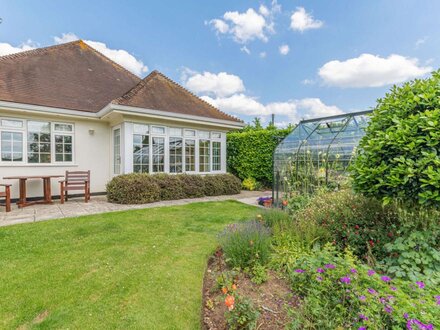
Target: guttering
x,y
122,109
159,114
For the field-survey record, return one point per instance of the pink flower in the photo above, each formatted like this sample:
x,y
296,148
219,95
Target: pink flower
x,y
371,272
420,284
345,280
386,279
330,266
299,270
320,270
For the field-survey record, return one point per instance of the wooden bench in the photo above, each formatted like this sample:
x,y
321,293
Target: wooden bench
x,y
7,195
75,180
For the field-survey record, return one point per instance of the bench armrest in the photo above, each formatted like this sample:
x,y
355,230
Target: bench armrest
x,y
5,185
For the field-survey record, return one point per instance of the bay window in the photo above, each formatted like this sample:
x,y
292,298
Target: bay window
x,y
216,156
204,155
11,146
39,142
190,155
141,149
158,154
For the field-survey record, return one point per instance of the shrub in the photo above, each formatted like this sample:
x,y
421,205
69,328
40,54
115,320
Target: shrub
x,y
398,157
353,220
231,184
337,292
170,187
250,184
134,188
214,185
249,153
415,256
243,316
271,217
258,274
193,185
246,244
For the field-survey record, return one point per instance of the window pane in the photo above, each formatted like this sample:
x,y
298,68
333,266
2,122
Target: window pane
x,y
140,129
203,134
204,156
39,142
12,123
141,153
190,133
216,135
158,130
63,148
176,155
11,146
158,154
190,155
63,127
216,156
175,132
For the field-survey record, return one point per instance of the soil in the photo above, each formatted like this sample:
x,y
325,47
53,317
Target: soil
x,y
273,299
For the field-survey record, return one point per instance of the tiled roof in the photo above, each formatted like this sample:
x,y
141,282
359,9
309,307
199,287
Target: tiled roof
x,y
69,76
75,76
158,92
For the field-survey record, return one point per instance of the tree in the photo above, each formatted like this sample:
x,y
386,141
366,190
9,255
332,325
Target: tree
x,y
399,157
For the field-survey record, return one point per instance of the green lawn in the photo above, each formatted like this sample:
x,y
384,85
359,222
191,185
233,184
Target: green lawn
x,y
126,270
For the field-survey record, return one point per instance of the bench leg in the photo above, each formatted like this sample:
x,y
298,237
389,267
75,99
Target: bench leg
x,y
8,199
62,192
86,192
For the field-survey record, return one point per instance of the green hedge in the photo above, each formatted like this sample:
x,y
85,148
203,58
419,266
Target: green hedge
x,y
250,153
136,188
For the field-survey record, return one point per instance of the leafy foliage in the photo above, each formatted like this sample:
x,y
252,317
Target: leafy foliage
x,y
243,316
137,188
246,244
338,292
250,184
399,157
250,152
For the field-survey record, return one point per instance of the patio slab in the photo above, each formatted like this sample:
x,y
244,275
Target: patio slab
x,y
76,207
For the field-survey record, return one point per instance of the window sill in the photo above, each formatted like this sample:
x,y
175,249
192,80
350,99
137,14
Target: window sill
x,y
38,165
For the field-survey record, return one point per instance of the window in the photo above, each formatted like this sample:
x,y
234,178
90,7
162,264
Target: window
x,y
176,154
63,148
11,146
204,155
39,142
141,129
158,154
11,123
190,133
216,135
58,127
117,151
203,135
158,130
175,132
190,155
141,153
216,156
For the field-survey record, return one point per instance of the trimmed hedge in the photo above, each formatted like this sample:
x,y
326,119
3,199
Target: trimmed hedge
x,y
136,188
249,153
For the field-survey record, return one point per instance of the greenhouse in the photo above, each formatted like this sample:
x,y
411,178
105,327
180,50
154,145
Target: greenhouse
x,y
317,153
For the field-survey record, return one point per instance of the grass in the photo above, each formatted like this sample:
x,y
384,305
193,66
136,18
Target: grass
x,y
126,270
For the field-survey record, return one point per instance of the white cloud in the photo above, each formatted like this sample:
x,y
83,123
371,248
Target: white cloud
x,y
263,54
7,49
302,20
249,25
308,82
120,56
284,49
246,50
238,104
220,85
421,41
369,70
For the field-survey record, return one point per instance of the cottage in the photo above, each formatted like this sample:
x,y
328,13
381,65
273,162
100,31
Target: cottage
x,y
69,107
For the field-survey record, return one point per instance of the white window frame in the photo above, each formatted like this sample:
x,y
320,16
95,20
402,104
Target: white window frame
x,y
62,133
23,131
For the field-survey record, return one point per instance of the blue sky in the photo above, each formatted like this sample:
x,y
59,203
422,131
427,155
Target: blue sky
x,y
341,55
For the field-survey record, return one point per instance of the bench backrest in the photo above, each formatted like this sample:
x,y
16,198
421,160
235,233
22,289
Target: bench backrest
x,y
77,178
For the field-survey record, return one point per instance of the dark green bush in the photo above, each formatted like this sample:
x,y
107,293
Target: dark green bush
x,y
353,220
231,184
134,188
399,157
250,153
214,185
139,188
193,185
170,187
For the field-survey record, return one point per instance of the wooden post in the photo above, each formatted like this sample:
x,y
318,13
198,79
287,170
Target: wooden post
x,y
8,199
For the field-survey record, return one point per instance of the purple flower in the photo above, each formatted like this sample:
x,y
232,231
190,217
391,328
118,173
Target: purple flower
x,y
330,266
386,279
420,284
437,298
371,272
299,270
388,309
345,280
405,315
382,300
362,298
372,291
319,278
362,328
354,271
363,317
419,324
390,297
393,288
320,270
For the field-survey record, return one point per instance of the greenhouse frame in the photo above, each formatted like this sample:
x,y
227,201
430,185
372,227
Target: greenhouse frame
x,y
316,153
